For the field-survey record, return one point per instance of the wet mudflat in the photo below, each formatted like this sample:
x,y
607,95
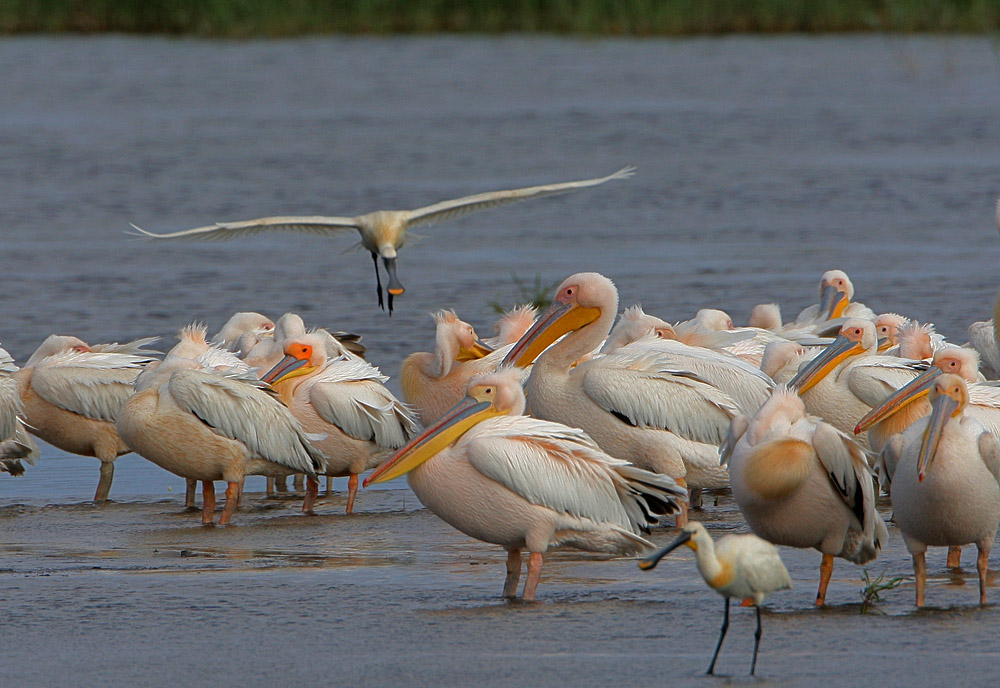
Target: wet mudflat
x,y
762,163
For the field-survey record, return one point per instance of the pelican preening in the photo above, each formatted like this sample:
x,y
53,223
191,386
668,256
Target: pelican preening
x,y
16,444
343,401
72,393
741,566
523,483
383,232
800,482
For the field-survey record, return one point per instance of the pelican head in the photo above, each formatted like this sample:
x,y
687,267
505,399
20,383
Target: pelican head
x,y
766,316
633,325
916,341
496,394
955,360
835,293
580,300
692,535
887,329
713,320
949,396
856,337
54,344
303,355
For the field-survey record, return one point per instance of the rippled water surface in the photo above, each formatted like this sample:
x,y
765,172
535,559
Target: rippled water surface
x,y
762,163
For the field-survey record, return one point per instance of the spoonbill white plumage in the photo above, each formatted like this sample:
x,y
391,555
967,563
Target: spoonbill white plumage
x,y
383,232
742,566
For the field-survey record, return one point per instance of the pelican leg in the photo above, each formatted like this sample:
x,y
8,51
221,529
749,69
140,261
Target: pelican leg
x,y
954,558
190,490
756,644
298,482
378,282
682,515
104,484
329,484
920,574
352,491
207,502
312,489
694,498
233,492
722,636
513,574
281,484
982,564
825,572
270,487
534,573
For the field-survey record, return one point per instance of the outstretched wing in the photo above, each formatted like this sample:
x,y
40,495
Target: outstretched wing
x,y
458,207
242,412
94,385
310,224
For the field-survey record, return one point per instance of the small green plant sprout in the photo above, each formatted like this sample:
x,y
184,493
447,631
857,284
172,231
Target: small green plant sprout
x,y
873,587
537,294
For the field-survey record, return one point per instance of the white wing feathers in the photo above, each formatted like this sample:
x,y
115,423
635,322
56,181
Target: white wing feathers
x,y
561,468
349,393
989,449
458,207
90,384
847,467
876,377
244,413
642,391
310,224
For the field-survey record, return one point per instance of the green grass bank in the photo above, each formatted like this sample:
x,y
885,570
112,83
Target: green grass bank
x,y
253,18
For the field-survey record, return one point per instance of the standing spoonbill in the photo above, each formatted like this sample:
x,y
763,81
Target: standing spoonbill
x,y
741,566
383,232
946,487
523,483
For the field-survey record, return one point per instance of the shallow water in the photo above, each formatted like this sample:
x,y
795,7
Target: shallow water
x,y
762,163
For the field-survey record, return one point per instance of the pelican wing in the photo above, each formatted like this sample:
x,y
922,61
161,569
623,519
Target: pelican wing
x,y
242,412
94,385
876,377
548,464
989,449
847,468
310,224
458,207
982,338
645,392
737,428
888,459
10,407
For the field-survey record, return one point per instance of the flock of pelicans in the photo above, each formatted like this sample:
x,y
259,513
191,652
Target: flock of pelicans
x,y
805,415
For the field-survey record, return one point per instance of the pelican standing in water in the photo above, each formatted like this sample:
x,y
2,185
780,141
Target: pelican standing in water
x,y
345,401
799,482
946,487
741,566
383,232
209,425
72,393
523,483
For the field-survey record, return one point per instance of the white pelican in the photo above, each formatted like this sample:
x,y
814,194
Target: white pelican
x,y
209,425
887,329
523,483
72,393
836,292
15,442
383,232
512,325
982,337
945,487
634,324
847,378
344,399
239,324
741,566
781,360
902,407
800,482
433,383
635,404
